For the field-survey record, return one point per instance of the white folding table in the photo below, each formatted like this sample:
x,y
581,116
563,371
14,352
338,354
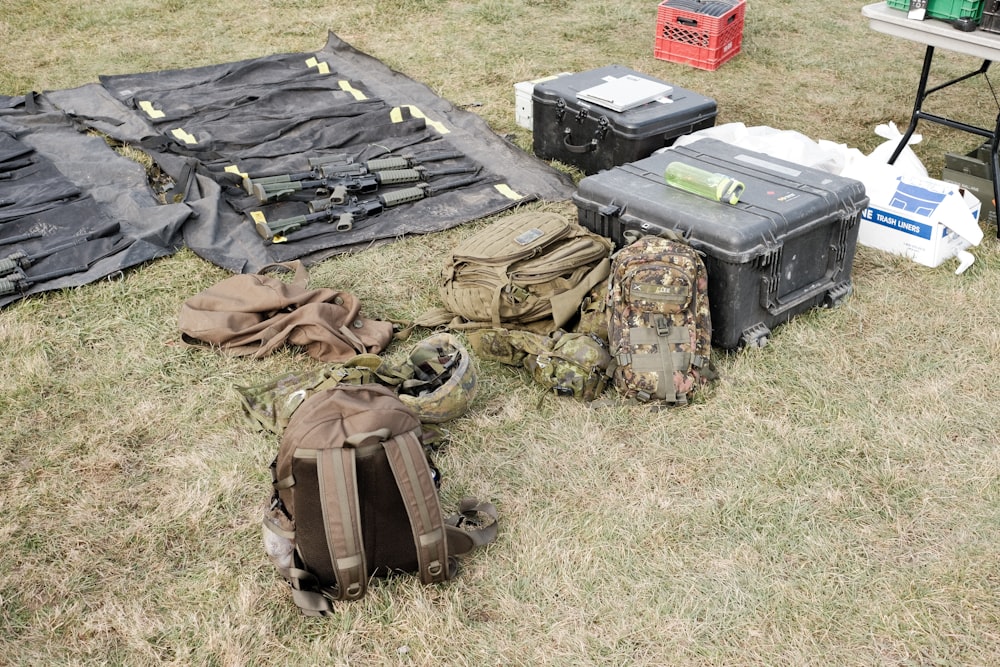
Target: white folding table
x,y
940,34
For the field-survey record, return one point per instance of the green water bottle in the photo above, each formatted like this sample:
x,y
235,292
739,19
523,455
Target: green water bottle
x,y
710,185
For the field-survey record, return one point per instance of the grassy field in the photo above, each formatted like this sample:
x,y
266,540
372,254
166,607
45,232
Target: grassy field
x,y
833,500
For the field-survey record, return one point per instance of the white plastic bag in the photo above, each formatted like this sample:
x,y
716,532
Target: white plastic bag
x,y
907,163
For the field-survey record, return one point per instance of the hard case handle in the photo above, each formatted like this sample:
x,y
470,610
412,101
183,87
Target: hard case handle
x,y
577,148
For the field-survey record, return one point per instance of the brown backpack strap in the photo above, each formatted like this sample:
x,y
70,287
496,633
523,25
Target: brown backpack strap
x,y
413,477
306,595
566,305
466,530
435,318
295,266
338,486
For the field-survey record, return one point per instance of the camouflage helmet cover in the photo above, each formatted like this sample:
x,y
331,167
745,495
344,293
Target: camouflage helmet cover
x,y
444,379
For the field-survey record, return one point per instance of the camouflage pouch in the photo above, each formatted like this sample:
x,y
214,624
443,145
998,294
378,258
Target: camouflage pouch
x,y
659,325
270,405
437,380
568,364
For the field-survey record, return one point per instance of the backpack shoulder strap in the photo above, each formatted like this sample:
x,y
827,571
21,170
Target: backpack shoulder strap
x,y
338,485
413,477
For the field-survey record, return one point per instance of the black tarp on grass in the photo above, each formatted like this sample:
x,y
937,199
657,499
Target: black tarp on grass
x,y
269,115
78,188
205,126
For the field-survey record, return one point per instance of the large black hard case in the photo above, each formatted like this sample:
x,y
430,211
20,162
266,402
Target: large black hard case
x,y
593,137
788,245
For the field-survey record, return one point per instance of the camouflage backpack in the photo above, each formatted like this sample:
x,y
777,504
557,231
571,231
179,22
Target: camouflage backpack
x,y
355,496
659,325
568,364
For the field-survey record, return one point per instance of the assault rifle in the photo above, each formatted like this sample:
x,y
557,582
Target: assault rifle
x,y
335,189
343,216
342,165
337,186
338,196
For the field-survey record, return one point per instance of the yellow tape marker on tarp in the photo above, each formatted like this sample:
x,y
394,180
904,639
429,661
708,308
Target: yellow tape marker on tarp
x,y
507,191
346,86
184,136
319,65
396,115
150,110
233,169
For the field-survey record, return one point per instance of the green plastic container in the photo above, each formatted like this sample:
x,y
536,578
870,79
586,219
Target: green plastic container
x,y
947,10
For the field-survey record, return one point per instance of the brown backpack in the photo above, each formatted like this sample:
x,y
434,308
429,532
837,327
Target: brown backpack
x,y
255,314
355,496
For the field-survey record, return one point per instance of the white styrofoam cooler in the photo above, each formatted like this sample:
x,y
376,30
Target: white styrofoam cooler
x,y
522,99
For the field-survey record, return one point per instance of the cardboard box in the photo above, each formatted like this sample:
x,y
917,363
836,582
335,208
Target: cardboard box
x,y
924,219
522,99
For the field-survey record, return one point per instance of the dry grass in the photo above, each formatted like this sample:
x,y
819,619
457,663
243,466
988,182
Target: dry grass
x,y
833,500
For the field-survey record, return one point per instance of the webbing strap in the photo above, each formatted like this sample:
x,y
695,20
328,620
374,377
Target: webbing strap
x,y
495,305
338,487
305,596
280,532
665,360
413,477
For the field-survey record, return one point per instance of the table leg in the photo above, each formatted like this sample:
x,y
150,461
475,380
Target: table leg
x,y
917,104
995,172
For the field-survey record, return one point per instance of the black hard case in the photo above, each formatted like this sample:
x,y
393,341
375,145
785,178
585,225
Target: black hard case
x,y
594,138
787,246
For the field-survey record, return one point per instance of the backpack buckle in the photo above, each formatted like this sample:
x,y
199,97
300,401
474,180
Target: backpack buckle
x,y
662,326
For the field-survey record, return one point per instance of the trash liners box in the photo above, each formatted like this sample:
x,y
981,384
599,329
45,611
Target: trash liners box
x,y
786,246
598,135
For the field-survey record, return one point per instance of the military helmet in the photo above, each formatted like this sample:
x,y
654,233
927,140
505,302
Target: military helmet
x,y
444,379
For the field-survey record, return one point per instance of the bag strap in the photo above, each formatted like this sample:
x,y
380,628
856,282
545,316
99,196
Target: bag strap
x,y
296,266
465,529
307,594
413,477
338,487
566,305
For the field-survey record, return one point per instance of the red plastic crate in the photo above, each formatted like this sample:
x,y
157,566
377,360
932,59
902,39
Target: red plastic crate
x,y
700,33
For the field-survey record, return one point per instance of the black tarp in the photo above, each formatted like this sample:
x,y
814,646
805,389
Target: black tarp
x,y
74,187
205,126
